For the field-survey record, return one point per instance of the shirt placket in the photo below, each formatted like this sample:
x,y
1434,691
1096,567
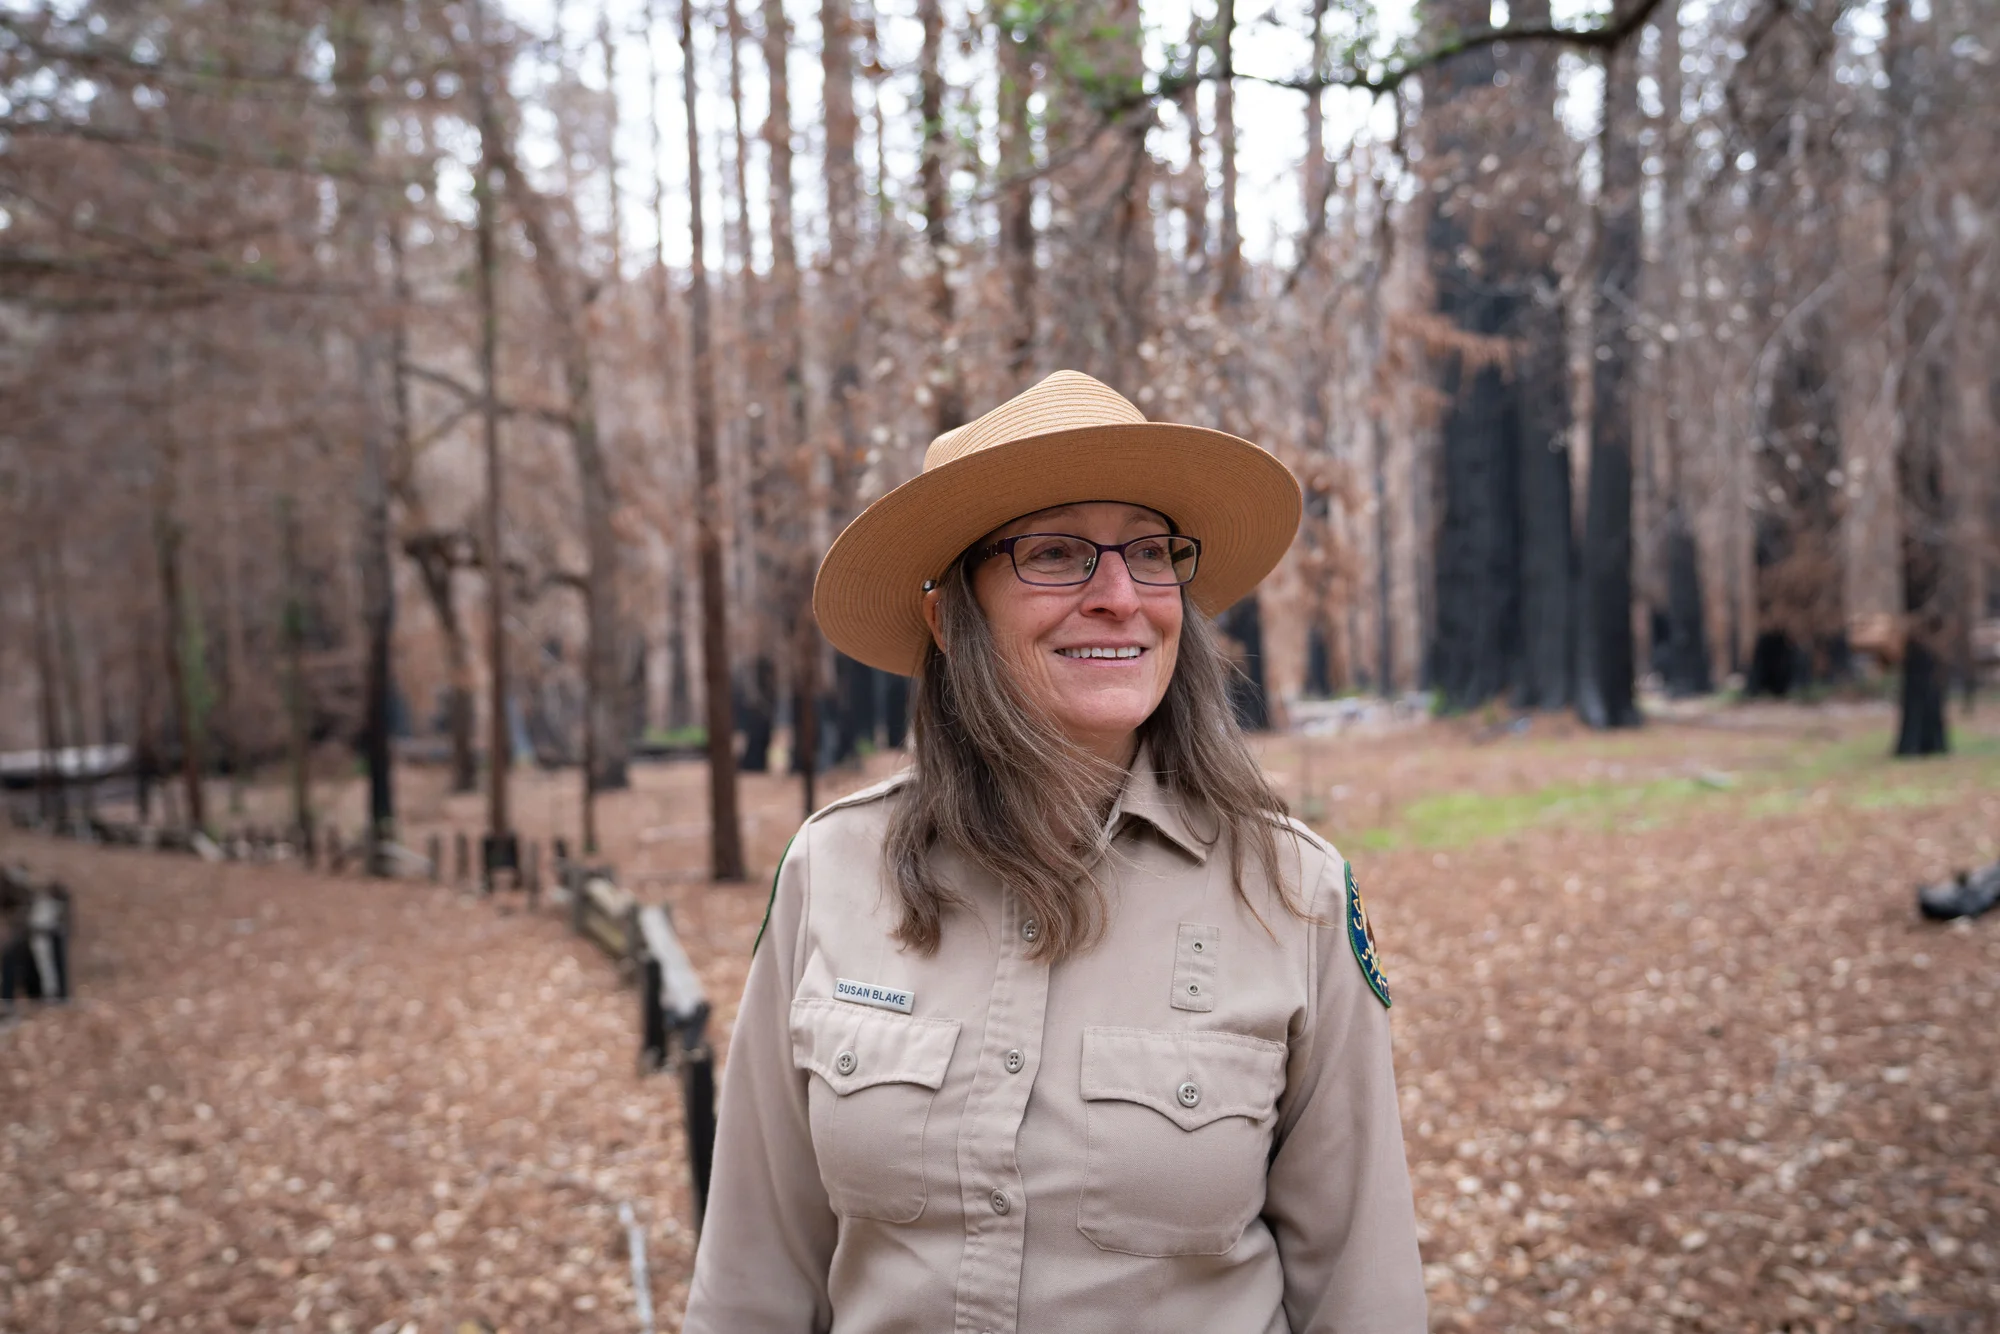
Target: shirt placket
x,y
989,1170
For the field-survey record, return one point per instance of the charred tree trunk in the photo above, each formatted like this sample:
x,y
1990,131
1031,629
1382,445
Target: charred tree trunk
x,y
167,553
353,70
54,798
63,606
1605,676
296,704
1505,562
499,745
726,839
1922,385
1685,662
145,746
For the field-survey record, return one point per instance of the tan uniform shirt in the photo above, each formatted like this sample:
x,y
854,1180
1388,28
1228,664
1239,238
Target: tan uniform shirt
x,y
1191,1127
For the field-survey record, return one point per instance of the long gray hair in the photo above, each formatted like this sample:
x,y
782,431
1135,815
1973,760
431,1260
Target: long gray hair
x,y
995,779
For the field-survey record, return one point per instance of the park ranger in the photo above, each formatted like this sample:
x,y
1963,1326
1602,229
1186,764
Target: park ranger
x,y
1067,1028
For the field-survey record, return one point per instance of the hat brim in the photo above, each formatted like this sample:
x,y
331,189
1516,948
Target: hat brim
x,y
1240,501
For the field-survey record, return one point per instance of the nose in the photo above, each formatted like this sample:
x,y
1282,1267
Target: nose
x,y
1111,591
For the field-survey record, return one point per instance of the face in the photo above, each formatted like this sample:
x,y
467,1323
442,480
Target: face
x,y
1097,656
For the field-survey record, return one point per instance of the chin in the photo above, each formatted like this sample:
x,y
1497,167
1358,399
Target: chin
x,y
1101,721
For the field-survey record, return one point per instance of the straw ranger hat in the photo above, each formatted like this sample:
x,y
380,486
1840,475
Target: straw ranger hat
x,y
1068,440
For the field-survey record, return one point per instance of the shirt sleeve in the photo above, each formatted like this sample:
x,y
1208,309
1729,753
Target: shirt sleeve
x,y
767,1241
1338,1197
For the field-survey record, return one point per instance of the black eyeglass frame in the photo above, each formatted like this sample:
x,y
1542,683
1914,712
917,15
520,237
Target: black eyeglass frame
x,y
1006,544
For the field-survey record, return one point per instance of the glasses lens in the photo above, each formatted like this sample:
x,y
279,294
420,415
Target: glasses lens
x,y
1161,560
1052,558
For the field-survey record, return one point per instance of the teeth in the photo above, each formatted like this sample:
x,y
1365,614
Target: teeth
x,y
1100,652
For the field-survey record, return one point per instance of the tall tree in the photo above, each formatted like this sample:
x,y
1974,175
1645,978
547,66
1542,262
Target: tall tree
x,y
1017,36
1605,666
790,538
725,833
1921,387
1505,563
947,381
499,737
352,71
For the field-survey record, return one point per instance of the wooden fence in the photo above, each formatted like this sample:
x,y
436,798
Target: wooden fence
x,y
638,938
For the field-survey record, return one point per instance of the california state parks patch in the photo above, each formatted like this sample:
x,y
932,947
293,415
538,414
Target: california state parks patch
x,y
1361,936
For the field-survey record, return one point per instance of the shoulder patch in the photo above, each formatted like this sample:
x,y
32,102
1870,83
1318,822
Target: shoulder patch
x,y
1361,937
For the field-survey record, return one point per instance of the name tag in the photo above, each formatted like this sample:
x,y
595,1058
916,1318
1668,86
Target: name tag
x,y
867,993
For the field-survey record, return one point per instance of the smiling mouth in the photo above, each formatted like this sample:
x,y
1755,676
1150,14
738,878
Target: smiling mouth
x,y
1114,654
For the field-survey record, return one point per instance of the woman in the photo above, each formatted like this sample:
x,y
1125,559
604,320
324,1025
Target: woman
x,y
1066,1028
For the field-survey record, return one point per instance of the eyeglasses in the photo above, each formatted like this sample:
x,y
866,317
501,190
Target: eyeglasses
x,y
1055,560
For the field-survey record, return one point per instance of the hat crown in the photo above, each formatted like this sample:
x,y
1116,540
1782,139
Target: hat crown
x,y
1064,401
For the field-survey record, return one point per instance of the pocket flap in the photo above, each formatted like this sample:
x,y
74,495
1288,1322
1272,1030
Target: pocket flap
x,y
1191,1079
852,1047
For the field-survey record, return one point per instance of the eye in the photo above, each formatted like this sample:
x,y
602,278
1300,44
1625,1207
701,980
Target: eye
x,y
1048,552
1152,549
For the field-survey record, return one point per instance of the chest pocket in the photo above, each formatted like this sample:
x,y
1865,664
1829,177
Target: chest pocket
x,y
1178,1129
874,1077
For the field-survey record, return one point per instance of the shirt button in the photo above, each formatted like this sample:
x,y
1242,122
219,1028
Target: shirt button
x,y
1031,930
1194,988
1001,1204
1015,1061
845,1062
1188,1093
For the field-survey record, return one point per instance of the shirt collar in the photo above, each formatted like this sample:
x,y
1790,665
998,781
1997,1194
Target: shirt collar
x,y
1146,798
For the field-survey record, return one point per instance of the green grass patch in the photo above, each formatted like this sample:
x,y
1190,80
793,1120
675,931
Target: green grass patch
x,y
1453,819
677,736
1856,773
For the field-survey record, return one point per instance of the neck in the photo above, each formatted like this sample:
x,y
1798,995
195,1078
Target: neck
x,y
1116,750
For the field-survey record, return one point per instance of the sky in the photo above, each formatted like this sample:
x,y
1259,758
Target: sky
x,y
1272,39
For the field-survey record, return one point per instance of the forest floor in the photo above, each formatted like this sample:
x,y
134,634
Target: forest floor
x,y
1676,1052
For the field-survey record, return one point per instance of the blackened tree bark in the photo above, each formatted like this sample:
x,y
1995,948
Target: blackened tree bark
x,y
499,738
1604,641
1505,556
173,601
1921,392
53,802
1685,662
296,704
1247,695
856,689
352,71
725,832
1685,668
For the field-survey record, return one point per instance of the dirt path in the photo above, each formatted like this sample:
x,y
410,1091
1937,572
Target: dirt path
x,y
1675,1052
